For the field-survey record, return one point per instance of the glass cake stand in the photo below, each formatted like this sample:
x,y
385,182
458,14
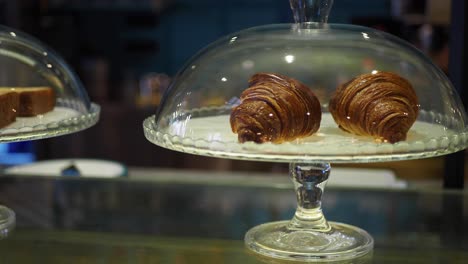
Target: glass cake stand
x,y
194,117
40,94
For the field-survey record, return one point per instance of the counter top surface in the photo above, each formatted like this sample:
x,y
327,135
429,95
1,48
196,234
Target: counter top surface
x,y
159,220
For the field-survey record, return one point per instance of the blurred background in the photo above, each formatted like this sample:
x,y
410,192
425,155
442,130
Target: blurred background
x,y
126,53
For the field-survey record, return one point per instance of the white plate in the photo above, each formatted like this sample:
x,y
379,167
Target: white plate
x,y
212,136
60,121
87,167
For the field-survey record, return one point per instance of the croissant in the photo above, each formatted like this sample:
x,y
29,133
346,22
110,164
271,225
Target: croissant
x,y
382,105
275,108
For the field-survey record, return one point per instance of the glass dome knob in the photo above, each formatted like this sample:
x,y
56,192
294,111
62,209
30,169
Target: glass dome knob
x,y
307,11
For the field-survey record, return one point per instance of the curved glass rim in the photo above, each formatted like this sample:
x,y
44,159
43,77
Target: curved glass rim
x,y
7,221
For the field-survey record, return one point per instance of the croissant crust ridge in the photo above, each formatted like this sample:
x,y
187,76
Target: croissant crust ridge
x,y
383,105
275,108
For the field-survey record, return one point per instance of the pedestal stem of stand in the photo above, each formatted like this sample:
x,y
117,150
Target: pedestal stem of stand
x,y
309,11
309,183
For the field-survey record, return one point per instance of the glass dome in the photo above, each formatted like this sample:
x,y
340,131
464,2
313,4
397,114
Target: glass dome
x,y
194,115
40,96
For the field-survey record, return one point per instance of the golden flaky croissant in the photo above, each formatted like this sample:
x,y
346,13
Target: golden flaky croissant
x,y
382,105
275,108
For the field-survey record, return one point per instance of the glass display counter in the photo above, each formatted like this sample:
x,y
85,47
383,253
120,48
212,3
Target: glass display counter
x,y
160,219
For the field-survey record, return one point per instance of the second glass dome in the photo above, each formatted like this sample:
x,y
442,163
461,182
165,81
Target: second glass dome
x,y
194,114
40,95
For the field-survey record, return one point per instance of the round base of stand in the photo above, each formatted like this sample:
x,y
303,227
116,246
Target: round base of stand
x,y
276,240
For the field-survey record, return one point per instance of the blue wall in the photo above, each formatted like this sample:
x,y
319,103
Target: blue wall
x,y
189,25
